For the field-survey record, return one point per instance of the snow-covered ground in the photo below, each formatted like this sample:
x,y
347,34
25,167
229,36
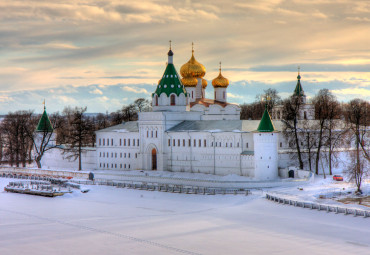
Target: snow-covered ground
x,y
109,220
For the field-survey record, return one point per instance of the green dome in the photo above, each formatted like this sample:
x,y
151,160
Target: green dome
x,y
44,123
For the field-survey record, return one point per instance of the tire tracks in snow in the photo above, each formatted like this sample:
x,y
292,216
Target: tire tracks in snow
x,y
96,230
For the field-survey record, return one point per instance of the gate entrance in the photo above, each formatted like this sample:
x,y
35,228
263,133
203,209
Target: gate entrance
x,y
154,159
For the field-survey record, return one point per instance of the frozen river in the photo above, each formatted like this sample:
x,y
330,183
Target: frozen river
x,y
108,220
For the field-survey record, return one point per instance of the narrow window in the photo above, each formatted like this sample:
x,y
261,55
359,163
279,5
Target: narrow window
x,y
137,142
120,165
151,133
99,141
103,142
129,166
156,134
156,100
215,95
133,142
124,142
281,145
183,142
128,142
173,142
226,145
237,145
169,142
115,155
192,94
195,143
124,155
200,143
231,144
305,115
120,142
205,143
173,99
189,143
115,165
178,142
120,155
129,155
135,155
224,94
111,142
111,155
247,145
147,133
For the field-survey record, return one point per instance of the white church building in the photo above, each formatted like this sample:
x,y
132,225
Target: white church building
x,y
187,132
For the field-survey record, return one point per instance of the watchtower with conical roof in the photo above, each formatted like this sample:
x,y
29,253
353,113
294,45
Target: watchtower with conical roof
x,y
266,149
44,134
170,94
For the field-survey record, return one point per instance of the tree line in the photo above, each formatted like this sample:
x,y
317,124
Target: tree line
x,y
73,129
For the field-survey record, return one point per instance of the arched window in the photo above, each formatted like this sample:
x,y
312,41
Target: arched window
x,y
173,99
156,100
192,94
305,115
224,95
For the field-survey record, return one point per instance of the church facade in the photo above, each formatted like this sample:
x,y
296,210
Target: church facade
x,y
187,132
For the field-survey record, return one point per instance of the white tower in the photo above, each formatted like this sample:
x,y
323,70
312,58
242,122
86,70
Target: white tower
x,y
265,150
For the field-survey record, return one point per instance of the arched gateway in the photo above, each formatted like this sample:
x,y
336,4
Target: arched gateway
x,y
154,159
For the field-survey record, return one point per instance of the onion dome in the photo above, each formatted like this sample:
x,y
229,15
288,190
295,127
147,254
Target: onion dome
x,y
193,68
44,124
220,81
204,83
189,81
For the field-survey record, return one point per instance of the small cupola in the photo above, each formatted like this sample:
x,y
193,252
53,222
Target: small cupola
x,y
220,84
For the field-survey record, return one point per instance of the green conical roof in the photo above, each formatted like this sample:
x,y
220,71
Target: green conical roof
x,y
266,124
298,91
170,82
44,123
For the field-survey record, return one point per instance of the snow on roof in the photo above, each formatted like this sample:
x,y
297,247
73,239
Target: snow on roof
x,y
130,126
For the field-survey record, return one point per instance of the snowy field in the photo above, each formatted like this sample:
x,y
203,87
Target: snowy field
x,y
108,220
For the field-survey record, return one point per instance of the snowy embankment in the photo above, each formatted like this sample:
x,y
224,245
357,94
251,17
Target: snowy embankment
x,y
108,220
325,192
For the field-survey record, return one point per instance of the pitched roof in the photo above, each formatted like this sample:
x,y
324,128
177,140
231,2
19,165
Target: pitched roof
x,y
44,124
266,123
209,126
131,126
170,82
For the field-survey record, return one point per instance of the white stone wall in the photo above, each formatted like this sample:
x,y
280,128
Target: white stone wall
x,y
55,159
209,152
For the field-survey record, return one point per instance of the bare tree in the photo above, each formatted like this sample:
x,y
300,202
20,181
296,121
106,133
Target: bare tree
x,y
273,98
291,110
357,121
17,144
142,105
325,103
80,133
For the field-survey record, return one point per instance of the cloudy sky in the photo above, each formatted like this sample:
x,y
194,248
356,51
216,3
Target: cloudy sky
x,y
103,54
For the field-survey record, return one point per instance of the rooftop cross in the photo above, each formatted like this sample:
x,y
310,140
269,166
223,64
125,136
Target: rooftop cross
x,y
192,47
170,44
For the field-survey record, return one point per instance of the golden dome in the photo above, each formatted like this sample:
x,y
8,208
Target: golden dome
x,y
204,83
189,81
220,81
193,68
